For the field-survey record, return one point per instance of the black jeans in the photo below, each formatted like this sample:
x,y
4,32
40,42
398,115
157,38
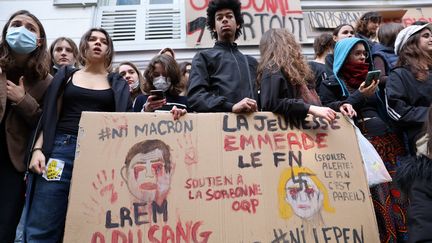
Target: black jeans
x,y
12,191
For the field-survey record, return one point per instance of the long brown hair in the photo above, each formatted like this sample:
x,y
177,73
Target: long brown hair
x,y
72,45
280,51
363,21
172,72
388,32
323,44
138,90
37,65
84,46
418,60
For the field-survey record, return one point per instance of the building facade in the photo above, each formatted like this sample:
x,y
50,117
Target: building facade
x,y
140,28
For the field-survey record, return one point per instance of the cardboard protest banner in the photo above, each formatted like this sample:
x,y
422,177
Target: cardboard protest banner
x,y
328,19
217,177
417,14
259,16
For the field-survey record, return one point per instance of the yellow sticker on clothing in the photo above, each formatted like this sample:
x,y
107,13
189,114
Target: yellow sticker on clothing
x,y
54,170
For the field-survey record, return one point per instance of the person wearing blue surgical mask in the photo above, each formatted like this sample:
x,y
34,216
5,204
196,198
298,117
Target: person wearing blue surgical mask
x,y
24,77
162,74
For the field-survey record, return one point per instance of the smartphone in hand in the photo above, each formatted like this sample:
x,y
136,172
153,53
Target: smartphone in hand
x,y
372,75
158,94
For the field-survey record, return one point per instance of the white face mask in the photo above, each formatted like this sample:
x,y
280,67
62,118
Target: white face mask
x,y
134,85
162,83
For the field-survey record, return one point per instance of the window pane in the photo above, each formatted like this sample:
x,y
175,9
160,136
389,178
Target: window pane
x,y
128,2
161,1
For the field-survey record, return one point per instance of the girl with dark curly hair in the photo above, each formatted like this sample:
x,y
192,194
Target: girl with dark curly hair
x,y
367,27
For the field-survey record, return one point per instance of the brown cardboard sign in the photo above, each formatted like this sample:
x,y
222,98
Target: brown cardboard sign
x,y
394,15
217,177
417,14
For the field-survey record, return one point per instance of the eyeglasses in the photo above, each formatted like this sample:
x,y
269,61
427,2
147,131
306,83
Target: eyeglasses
x,y
359,53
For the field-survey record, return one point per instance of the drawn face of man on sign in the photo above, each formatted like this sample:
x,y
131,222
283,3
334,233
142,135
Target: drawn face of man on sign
x,y
301,191
147,171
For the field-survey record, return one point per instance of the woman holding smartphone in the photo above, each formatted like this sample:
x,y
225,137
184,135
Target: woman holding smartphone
x,y
93,88
351,66
162,86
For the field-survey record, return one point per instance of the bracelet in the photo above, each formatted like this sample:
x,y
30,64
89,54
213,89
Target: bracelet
x,y
35,149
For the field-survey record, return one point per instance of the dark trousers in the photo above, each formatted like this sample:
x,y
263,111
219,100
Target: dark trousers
x,y
12,191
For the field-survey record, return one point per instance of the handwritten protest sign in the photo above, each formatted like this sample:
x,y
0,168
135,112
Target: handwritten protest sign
x,y
259,16
143,177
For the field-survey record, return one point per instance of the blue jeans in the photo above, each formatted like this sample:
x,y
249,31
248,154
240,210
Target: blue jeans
x,y
47,212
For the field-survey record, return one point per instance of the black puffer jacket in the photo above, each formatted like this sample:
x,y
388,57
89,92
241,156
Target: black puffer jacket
x,y
220,77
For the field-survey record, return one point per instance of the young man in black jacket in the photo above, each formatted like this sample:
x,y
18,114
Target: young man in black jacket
x,y
222,79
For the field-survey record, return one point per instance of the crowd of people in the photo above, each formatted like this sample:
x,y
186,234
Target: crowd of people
x,y
44,90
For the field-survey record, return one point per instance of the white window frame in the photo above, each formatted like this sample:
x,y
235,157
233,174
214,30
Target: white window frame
x,y
75,3
140,43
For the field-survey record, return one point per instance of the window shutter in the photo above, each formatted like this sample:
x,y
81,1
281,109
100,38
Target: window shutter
x,y
162,24
119,22
145,26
